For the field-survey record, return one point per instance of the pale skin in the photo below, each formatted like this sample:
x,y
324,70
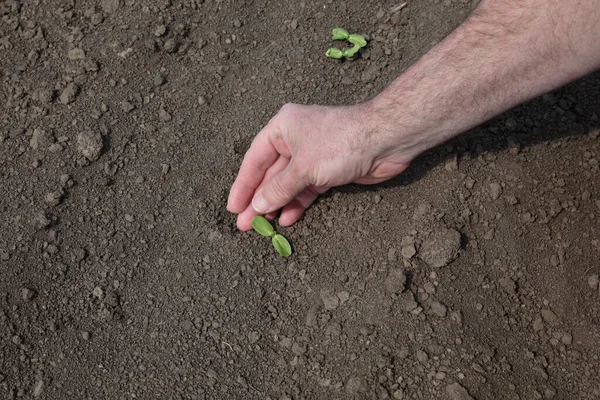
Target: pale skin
x,y
507,52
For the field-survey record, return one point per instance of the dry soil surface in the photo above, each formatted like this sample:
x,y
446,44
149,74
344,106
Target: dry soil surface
x,y
474,275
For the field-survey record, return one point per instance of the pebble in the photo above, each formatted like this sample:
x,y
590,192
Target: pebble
x,y
76,54
408,251
159,80
160,31
27,294
201,100
593,282
457,392
89,144
395,281
127,107
330,300
439,309
353,385
164,115
38,389
54,198
550,317
69,93
422,356
495,190
440,248
110,6
86,335
171,45
41,139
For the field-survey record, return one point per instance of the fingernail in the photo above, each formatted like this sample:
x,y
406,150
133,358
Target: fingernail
x,y
259,204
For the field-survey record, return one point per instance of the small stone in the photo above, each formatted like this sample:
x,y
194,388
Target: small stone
x,y
69,93
593,281
41,139
38,389
201,100
395,281
550,317
76,54
127,107
353,385
98,292
89,144
451,164
171,45
508,285
330,300
110,6
164,116
160,31
54,198
407,301
567,339
439,309
422,356
495,190
549,393
86,335
159,80
538,324
408,251
512,200
441,248
585,196
27,294
457,392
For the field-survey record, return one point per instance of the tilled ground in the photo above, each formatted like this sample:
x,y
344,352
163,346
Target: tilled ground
x,y
122,125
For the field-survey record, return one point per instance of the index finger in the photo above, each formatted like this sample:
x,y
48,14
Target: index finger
x,y
259,157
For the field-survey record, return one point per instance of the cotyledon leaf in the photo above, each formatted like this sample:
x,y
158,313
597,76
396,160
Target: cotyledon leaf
x,y
282,245
357,39
262,226
339,34
349,53
334,53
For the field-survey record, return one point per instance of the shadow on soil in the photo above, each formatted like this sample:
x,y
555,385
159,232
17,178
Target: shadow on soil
x,y
563,113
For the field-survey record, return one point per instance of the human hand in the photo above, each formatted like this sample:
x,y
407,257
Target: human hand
x,y
305,150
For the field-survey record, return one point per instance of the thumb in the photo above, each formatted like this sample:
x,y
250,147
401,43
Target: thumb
x,y
279,191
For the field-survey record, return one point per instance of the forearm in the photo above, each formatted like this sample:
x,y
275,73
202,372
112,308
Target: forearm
x,y
507,52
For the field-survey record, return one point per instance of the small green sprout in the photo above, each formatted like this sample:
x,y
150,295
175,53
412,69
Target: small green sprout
x,y
264,227
282,245
335,53
357,40
341,34
349,53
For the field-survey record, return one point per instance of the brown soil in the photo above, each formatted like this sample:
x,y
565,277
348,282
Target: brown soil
x,y
122,126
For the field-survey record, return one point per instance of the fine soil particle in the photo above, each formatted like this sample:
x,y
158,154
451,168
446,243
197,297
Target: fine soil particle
x,y
123,124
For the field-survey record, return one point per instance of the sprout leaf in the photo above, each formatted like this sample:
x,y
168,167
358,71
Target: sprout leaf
x,y
262,226
282,245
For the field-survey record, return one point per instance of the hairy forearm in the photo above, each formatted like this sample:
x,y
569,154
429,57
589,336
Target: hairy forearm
x,y
507,52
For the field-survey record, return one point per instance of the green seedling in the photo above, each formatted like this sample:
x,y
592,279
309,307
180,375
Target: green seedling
x,y
282,245
341,34
357,40
264,227
349,53
335,53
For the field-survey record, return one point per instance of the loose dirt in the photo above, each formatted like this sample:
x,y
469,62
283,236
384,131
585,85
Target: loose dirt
x,y
122,126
